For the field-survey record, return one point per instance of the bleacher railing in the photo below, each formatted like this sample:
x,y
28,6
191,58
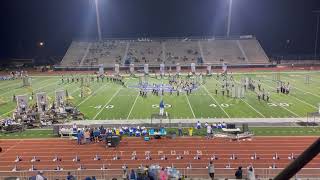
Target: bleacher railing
x,y
261,173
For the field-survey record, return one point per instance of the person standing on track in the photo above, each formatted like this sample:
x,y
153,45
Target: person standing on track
x,y
211,170
209,132
180,129
79,137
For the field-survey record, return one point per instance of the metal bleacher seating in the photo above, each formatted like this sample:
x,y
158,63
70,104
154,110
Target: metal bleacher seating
x,y
167,51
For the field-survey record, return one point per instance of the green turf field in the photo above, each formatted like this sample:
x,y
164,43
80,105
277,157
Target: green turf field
x,y
112,101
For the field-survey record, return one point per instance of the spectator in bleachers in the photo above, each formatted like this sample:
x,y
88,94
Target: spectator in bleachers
x,y
40,176
238,173
70,177
133,175
250,173
163,175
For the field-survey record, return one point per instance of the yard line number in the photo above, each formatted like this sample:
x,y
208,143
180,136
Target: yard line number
x,y
279,104
110,106
165,106
224,105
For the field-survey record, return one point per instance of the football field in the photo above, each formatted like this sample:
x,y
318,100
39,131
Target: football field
x,y
107,100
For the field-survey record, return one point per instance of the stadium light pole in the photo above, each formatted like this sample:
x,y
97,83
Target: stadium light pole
x,y
229,18
98,20
317,12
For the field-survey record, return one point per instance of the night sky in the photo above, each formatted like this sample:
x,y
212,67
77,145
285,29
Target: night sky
x,y
57,22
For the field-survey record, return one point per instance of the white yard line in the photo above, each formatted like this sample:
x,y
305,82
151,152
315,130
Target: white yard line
x,y
248,104
304,102
6,113
295,98
107,103
215,101
34,90
9,85
291,111
303,90
307,92
38,88
132,106
252,108
194,116
87,98
283,106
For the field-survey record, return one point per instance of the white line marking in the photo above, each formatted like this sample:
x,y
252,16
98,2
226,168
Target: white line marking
x,y
190,106
303,101
107,103
34,90
216,101
248,103
283,106
295,98
133,106
253,108
87,98
9,85
303,90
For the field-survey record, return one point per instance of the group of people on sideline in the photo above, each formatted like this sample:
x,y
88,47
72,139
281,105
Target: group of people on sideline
x,y
95,134
89,135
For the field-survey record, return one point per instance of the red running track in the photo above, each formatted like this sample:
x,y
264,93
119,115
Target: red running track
x,y
188,147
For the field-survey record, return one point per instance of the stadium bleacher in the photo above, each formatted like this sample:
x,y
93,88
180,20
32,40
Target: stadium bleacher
x,y
226,50
75,53
167,51
254,51
145,52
